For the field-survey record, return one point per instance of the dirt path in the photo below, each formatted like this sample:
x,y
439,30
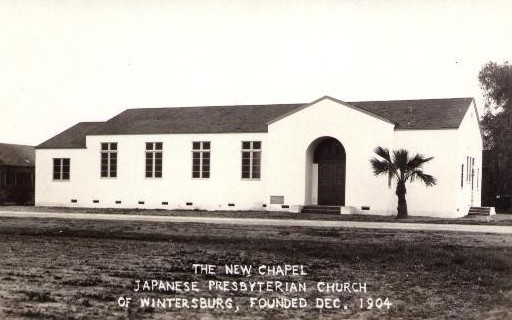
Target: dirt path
x,y
266,222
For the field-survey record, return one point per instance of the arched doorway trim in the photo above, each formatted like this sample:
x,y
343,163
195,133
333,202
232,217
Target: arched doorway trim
x,y
326,172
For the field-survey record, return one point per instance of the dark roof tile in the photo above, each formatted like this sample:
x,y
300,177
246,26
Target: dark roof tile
x,y
72,138
407,114
420,114
17,155
220,119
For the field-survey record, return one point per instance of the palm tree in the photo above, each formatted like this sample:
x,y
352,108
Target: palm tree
x,y
402,169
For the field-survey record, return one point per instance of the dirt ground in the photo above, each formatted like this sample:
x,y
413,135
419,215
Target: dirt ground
x,y
55,269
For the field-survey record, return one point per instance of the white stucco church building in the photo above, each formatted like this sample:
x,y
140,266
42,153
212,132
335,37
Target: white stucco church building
x,y
266,157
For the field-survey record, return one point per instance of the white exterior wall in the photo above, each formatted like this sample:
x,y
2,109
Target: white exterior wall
x,y
286,169
469,144
288,141
449,148
177,186
439,200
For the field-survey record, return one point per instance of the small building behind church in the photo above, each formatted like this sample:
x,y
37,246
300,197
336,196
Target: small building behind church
x,y
17,164
266,157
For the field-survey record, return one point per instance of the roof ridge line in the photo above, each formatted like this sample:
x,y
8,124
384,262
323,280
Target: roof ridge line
x,y
17,144
221,106
393,100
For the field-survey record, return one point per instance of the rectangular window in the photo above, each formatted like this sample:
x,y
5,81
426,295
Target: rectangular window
x,y
251,159
10,178
467,168
472,169
201,159
109,160
154,157
462,176
61,168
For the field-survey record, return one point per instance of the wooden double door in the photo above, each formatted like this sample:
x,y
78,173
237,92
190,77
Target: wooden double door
x,y
331,159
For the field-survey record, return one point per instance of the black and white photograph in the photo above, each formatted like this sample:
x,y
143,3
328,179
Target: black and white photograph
x,y
253,159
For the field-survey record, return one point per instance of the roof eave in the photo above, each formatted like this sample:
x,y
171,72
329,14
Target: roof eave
x,y
473,101
60,147
335,100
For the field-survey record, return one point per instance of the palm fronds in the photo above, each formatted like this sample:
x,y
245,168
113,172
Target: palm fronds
x,y
383,153
427,179
401,166
417,161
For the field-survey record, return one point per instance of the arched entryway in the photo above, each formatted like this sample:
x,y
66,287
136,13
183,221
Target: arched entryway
x,y
328,159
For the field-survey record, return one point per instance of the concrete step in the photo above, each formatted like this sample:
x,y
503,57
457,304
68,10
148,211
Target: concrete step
x,y
481,211
321,209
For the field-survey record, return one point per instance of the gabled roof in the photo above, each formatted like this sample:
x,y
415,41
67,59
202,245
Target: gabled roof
x,y
17,155
346,104
218,119
72,138
420,114
405,114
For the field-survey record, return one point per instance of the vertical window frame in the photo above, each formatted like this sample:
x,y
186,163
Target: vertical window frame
x,y
155,153
61,170
472,172
462,176
201,151
254,151
109,153
467,168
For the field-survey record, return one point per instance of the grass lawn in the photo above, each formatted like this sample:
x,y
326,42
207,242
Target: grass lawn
x,y
54,269
499,219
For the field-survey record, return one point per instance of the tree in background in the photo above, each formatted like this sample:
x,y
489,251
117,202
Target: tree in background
x,y
496,83
403,169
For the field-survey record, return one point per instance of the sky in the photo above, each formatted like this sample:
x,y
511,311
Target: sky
x,y
63,62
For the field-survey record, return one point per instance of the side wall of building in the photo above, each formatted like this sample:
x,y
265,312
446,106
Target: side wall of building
x,y
439,200
176,187
470,146
458,187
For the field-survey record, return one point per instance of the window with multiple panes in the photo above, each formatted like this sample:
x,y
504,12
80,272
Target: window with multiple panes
x,y
109,160
251,159
201,159
154,159
61,168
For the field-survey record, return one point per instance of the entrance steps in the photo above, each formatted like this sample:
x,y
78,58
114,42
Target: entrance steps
x,y
313,209
481,211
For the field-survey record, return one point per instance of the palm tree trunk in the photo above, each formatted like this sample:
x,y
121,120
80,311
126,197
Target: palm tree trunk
x,y
402,203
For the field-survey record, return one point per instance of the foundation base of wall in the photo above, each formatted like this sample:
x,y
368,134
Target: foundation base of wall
x,y
347,210
314,209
